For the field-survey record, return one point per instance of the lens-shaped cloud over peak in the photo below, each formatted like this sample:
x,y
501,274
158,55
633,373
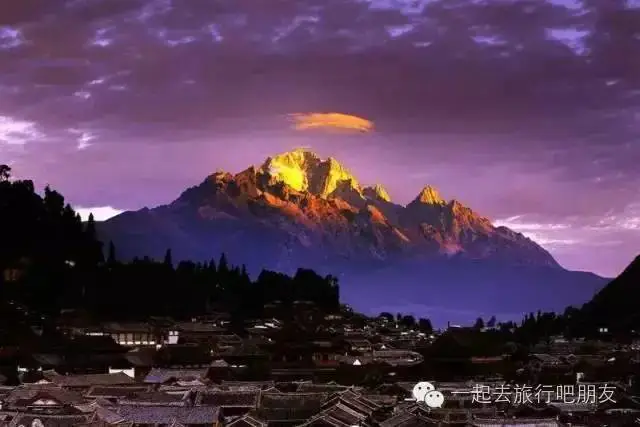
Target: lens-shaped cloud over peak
x,y
333,121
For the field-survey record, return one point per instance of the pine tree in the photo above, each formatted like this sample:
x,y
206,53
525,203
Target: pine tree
x,y
223,265
95,256
492,322
112,254
168,258
91,227
425,325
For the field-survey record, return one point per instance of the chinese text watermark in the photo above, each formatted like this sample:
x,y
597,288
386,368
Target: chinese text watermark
x,y
586,394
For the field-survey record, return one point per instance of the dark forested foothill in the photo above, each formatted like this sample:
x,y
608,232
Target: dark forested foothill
x,y
51,261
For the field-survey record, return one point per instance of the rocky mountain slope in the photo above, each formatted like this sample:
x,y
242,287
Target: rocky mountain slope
x,y
297,209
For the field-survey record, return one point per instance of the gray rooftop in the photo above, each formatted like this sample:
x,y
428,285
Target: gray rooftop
x,y
139,414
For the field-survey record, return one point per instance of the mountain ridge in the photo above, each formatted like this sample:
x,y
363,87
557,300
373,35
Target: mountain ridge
x,y
296,209
313,192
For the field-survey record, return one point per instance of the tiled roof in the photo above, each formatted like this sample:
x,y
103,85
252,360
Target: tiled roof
x,y
408,386
311,387
219,364
115,391
117,327
240,349
458,416
244,399
155,398
285,414
248,421
455,386
91,379
574,407
229,339
354,401
398,356
358,341
325,419
184,355
247,385
382,399
92,406
198,327
344,414
107,415
285,387
140,414
180,390
407,406
292,400
50,359
141,356
6,416
46,419
24,394
161,375
5,391
190,383
546,358
405,419
497,422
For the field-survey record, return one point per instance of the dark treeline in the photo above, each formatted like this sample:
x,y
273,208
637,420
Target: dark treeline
x,y
407,320
50,260
145,287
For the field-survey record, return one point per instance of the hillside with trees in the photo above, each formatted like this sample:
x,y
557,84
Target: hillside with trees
x,y
52,261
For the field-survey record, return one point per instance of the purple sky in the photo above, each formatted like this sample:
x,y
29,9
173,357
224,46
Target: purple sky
x,y
527,111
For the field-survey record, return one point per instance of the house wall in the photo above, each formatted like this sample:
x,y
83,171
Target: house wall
x,y
134,338
130,372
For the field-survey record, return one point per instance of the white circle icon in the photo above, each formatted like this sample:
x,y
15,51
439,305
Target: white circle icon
x,y
421,389
434,399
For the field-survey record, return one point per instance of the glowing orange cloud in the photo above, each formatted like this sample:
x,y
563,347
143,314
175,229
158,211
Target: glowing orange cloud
x,y
305,121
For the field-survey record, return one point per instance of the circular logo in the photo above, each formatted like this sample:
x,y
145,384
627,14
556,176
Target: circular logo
x,y
434,399
421,389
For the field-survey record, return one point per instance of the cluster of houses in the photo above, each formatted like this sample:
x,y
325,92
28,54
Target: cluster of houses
x,y
340,372
187,397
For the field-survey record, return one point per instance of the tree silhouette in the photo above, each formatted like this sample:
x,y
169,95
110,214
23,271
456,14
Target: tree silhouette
x,y
492,322
95,255
5,173
425,325
408,321
111,258
388,316
223,265
61,265
168,258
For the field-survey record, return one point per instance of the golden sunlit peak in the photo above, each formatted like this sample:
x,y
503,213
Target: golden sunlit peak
x,y
339,121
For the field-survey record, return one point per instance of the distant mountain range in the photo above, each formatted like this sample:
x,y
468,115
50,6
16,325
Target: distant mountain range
x,y
297,209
